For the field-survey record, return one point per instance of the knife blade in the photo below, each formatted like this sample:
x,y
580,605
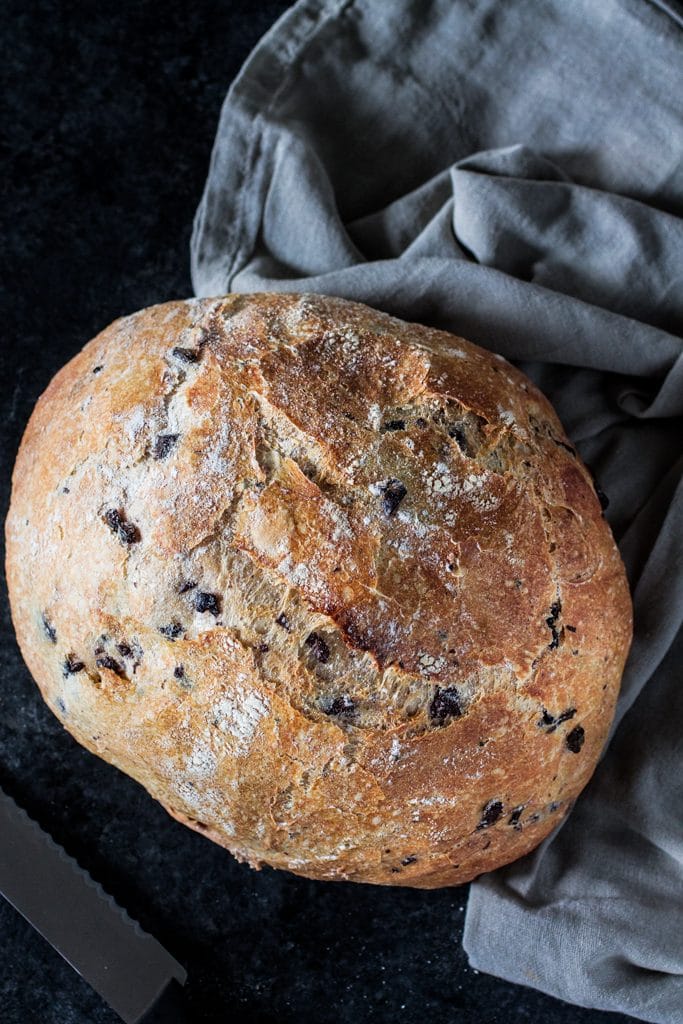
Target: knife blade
x,y
128,967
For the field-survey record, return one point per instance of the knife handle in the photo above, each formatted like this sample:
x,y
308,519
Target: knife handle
x,y
170,1007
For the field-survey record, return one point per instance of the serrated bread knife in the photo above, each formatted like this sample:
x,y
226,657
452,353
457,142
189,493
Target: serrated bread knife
x,y
126,966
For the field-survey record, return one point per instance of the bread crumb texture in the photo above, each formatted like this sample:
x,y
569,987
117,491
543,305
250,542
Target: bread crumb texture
x,y
335,588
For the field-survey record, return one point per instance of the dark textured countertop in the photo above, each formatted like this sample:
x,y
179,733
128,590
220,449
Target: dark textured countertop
x,y
111,115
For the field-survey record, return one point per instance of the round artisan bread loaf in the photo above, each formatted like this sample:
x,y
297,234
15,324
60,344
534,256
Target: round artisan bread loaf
x,y
335,588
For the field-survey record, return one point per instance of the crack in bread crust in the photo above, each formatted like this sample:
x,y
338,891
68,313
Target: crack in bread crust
x,y
335,588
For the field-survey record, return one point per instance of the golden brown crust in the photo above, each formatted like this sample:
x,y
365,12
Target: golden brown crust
x,y
334,587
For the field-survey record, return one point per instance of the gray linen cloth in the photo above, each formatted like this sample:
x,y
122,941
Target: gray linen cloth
x,y
511,172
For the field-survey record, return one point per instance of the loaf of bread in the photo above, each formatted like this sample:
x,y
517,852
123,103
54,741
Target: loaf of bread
x,y
335,588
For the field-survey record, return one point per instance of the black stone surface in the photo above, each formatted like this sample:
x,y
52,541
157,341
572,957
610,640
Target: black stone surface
x,y
111,114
